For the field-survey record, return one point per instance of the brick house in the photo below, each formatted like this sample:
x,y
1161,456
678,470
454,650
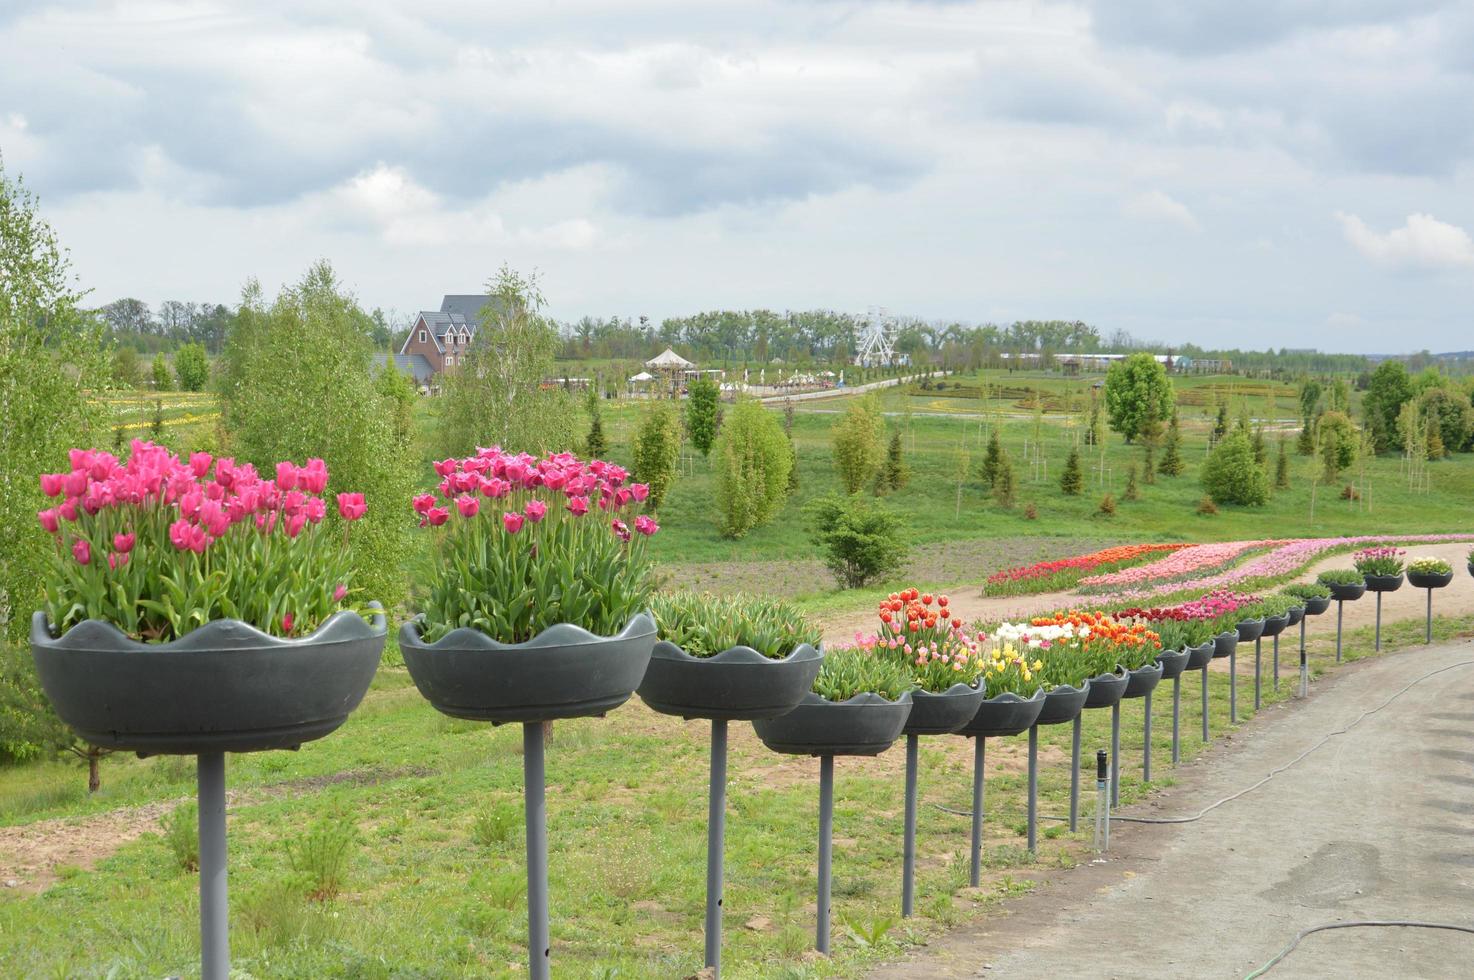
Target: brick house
x,y
444,336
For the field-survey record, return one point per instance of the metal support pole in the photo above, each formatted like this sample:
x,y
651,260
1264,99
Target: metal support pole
x,y
1116,754
1204,672
716,828
1176,719
908,859
1075,775
214,917
539,949
1258,670
1033,789
979,754
1428,632
1340,608
1146,740
826,837
1379,621
1304,664
1233,685
1276,661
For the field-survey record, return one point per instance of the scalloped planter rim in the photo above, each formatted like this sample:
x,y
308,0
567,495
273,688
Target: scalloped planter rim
x,y
1004,715
225,687
563,672
1225,643
1107,690
1063,703
1347,591
943,712
1384,583
1142,681
1430,580
1174,662
738,684
866,724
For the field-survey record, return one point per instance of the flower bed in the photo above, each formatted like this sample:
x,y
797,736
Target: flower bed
x,y
1062,573
1181,566
1071,647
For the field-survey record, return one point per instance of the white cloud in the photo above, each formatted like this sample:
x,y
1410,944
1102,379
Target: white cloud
x,y
1345,321
1422,244
1160,206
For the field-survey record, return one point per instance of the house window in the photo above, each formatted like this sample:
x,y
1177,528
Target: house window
x,y
422,336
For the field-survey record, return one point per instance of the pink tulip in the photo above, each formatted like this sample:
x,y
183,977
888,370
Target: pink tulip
x,y
645,525
123,543
578,506
446,467
423,503
640,491
339,593
286,476
535,510
621,529
116,559
75,483
179,534
286,623
68,510
512,521
199,464
51,484
315,510
295,524
314,476
49,519
468,506
436,516
351,506
82,551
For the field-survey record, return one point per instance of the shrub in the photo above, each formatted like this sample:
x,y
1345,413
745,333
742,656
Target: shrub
x,y
992,458
1349,492
320,856
1132,492
192,367
704,625
163,377
1282,468
1107,506
657,449
181,827
1031,513
1004,486
1206,506
126,372
856,442
1230,475
1339,442
895,473
1072,481
297,381
860,541
751,469
701,413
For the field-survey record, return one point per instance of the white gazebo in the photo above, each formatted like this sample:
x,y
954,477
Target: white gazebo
x,y
672,366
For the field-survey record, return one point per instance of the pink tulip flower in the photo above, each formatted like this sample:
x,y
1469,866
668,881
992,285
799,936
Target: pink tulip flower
x,y
468,506
82,551
512,521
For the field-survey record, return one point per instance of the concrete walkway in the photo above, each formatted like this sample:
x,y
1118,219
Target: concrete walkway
x,y
1375,824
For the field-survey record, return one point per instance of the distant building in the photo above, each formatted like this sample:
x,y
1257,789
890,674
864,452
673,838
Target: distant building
x,y
443,337
413,366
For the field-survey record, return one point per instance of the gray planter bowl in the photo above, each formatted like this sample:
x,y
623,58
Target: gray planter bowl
x,y
1294,614
1224,644
1063,703
1199,656
1314,607
1471,567
1174,662
1007,714
1275,625
226,687
1426,580
866,724
1384,583
738,684
563,672
1347,592
1107,689
1250,630
1143,680
943,713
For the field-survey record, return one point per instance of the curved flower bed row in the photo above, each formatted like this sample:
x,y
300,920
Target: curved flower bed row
x,y
1282,559
1180,566
1061,573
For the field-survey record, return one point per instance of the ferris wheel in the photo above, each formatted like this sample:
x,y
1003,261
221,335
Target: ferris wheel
x,y
877,339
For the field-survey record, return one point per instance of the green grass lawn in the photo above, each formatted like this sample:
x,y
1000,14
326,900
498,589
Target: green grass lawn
x,y
434,882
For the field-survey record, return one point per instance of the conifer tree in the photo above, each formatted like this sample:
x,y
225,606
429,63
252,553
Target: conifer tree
x,y
1172,464
895,474
1282,469
1072,482
1003,481
988,469
1131,492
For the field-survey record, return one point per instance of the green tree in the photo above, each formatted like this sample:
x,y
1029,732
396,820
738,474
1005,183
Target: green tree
x,y
860,540
856,441
297,381
1282,468
163,377
1172,464
1309,396
192,367
1132,491
992,456
1230,475
1072,481
702,405
1004,484
1387,391
1261,451
597,445
895,474
1339,442
1447,408
657,449
1220,424
51,360
126,372
496,397
1305,442
751,468
1136,389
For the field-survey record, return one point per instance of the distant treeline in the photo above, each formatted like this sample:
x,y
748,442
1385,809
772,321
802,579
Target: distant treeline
x,y
133,323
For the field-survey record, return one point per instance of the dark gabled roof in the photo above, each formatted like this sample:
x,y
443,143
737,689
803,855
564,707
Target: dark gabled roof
x,y
467,305
414,365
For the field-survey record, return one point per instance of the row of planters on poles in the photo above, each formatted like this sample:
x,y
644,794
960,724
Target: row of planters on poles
x,y
198,607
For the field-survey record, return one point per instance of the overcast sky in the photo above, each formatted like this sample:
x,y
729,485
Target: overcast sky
x,y
1238,172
